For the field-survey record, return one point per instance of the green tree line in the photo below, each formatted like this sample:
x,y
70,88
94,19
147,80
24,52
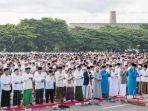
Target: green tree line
x,y
50,34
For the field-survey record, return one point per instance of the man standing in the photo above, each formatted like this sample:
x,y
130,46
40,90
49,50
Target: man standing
x,y
113,83
6,88
39,79
145,79
97,92
123,76
60,84
78,75
117,71
105,82
132,75
85,83
27,87
70,85
49,89
17,86
59,78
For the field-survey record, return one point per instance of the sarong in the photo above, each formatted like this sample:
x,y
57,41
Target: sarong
x,y
27,97
60,93
145,87
70,93
78,93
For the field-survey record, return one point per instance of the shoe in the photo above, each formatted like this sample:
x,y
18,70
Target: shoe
x,y
97,104
63,106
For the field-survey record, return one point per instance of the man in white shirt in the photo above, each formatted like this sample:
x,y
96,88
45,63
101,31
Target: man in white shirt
x,y
144,78
117,71
27,87
60,83
79,78
39,78
6,88
49,87
17,86
139,78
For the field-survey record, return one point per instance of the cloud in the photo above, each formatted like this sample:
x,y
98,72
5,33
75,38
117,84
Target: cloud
x,y
90,6
11,11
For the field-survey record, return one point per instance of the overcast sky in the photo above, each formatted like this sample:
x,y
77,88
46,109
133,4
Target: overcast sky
x,y
12,11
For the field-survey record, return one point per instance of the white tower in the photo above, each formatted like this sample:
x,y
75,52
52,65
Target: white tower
x,y
113,17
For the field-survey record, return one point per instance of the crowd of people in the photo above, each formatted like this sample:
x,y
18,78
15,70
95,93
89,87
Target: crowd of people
x,y
52,77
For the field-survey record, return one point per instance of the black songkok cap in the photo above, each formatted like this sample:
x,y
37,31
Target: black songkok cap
x,y
39,68
6,69
50,71
27,68
145,66
16,69
134,65
59,67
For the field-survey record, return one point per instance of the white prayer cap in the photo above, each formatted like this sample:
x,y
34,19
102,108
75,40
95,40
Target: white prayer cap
x,y
5,66
84,68
70,66
66,69
39,64
54,67
32,60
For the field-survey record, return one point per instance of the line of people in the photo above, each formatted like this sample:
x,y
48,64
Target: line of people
x,y
69,77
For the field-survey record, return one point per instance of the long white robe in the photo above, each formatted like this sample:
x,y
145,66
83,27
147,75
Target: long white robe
x,y
97,92
117,71
113,84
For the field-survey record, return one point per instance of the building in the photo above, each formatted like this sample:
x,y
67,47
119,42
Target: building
x,y
113,23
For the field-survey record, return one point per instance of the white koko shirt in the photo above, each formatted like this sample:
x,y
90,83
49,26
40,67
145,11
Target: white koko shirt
x,y
49,82
17,82
79,78
27,81
60,79
6,82
39,84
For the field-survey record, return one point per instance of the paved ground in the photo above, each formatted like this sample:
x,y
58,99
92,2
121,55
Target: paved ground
x,y
104,107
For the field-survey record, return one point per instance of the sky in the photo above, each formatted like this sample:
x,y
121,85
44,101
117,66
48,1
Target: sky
x,y
74,11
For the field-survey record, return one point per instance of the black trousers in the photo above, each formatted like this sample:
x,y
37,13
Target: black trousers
x,y
49,93
17,98
39,96
5,98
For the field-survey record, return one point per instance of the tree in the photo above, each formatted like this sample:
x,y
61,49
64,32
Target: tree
x,y
49,34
